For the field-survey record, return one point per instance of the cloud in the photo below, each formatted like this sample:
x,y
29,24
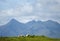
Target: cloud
x,y
4,18
21,10
3,0
27,10
25,19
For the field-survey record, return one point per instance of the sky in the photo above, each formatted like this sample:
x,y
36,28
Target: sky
x,y
28,10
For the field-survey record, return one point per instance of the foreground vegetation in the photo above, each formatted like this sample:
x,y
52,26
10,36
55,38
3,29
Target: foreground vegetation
x,y
28,38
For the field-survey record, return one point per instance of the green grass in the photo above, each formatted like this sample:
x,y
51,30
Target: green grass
x,y
30,38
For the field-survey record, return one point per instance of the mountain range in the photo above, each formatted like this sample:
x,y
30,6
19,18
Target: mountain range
x,y
14,28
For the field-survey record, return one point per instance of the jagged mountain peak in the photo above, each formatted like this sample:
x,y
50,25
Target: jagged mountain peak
x,y
13,20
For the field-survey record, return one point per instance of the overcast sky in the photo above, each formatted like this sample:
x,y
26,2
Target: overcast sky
x,y
27,10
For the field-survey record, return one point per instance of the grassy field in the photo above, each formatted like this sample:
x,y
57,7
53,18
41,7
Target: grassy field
x,y
30,38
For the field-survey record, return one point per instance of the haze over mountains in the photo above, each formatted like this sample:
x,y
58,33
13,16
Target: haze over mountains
x,y
14,28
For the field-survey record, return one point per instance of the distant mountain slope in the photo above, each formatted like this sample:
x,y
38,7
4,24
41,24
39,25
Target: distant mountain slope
x,y
53,27
15,28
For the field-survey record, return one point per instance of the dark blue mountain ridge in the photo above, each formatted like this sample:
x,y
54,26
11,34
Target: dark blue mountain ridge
x,y
45,28
14,28
53,27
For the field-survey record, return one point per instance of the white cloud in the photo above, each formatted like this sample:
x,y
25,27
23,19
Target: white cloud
x,y
25,19
4,18
21,10
25,11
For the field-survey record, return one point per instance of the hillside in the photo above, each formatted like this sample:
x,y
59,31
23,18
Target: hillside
x,y
35,38
14,28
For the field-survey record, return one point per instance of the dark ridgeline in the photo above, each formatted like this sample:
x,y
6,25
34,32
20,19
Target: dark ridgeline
x,y
14,28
